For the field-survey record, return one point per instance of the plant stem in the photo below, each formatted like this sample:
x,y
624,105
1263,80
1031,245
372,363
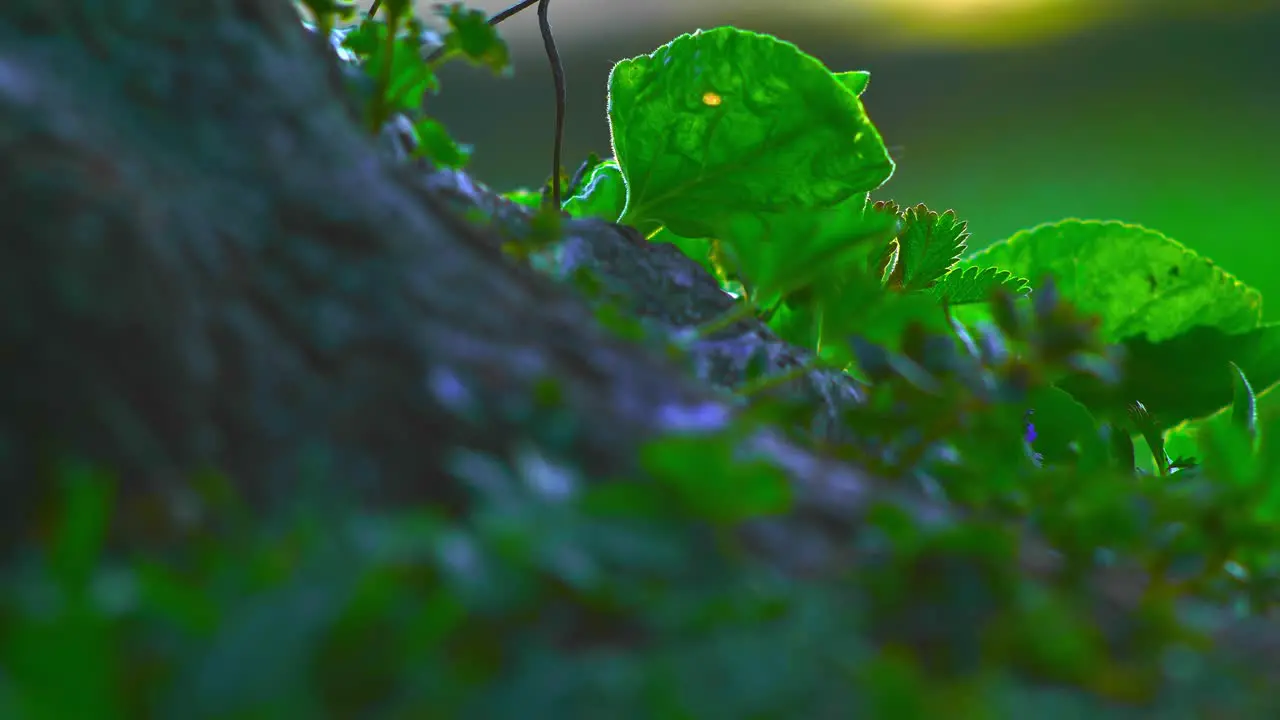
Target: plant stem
x,y
557,75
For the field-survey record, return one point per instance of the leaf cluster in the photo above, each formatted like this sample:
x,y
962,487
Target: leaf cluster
x,y
399,57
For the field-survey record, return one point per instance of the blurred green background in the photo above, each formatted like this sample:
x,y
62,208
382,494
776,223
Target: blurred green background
x,y
1012,112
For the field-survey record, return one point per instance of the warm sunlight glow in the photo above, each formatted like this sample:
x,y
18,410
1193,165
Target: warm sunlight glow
x,y
966,7
971,23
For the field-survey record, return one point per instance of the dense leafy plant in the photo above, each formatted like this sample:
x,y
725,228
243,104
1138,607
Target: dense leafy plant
x,y
1009,385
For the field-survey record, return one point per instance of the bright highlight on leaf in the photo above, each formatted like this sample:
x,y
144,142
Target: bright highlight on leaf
x,y
794,139
710,98
1244,404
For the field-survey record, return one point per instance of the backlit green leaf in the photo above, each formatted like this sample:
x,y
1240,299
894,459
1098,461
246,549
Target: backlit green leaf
x,y
804,247
966,286
1141,282
718,127
929,245
435,143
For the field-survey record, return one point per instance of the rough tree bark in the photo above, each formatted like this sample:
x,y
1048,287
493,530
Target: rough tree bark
x,y
207,265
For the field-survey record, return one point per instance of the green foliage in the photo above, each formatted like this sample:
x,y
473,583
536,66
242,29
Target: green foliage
x,y
473,38
1138,281
1011,411
968,285
389,50
1186,377
929,245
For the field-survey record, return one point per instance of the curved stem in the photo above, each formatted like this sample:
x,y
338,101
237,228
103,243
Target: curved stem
x,y
557,75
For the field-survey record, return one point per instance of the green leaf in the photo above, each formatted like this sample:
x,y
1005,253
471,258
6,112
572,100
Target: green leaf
x,y
1140,282
408,79
821,248
1184,377
435,144
1244,404
1228,455
716,128
966,286
855,81
1181,440
472,37
524,196
364,39
603,195
929,245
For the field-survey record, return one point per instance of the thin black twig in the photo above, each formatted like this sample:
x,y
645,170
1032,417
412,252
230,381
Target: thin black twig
x,y
514,9
511,11
557,75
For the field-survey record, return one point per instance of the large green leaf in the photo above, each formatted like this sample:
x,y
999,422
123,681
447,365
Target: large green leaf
x,y
1141,282
716,128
